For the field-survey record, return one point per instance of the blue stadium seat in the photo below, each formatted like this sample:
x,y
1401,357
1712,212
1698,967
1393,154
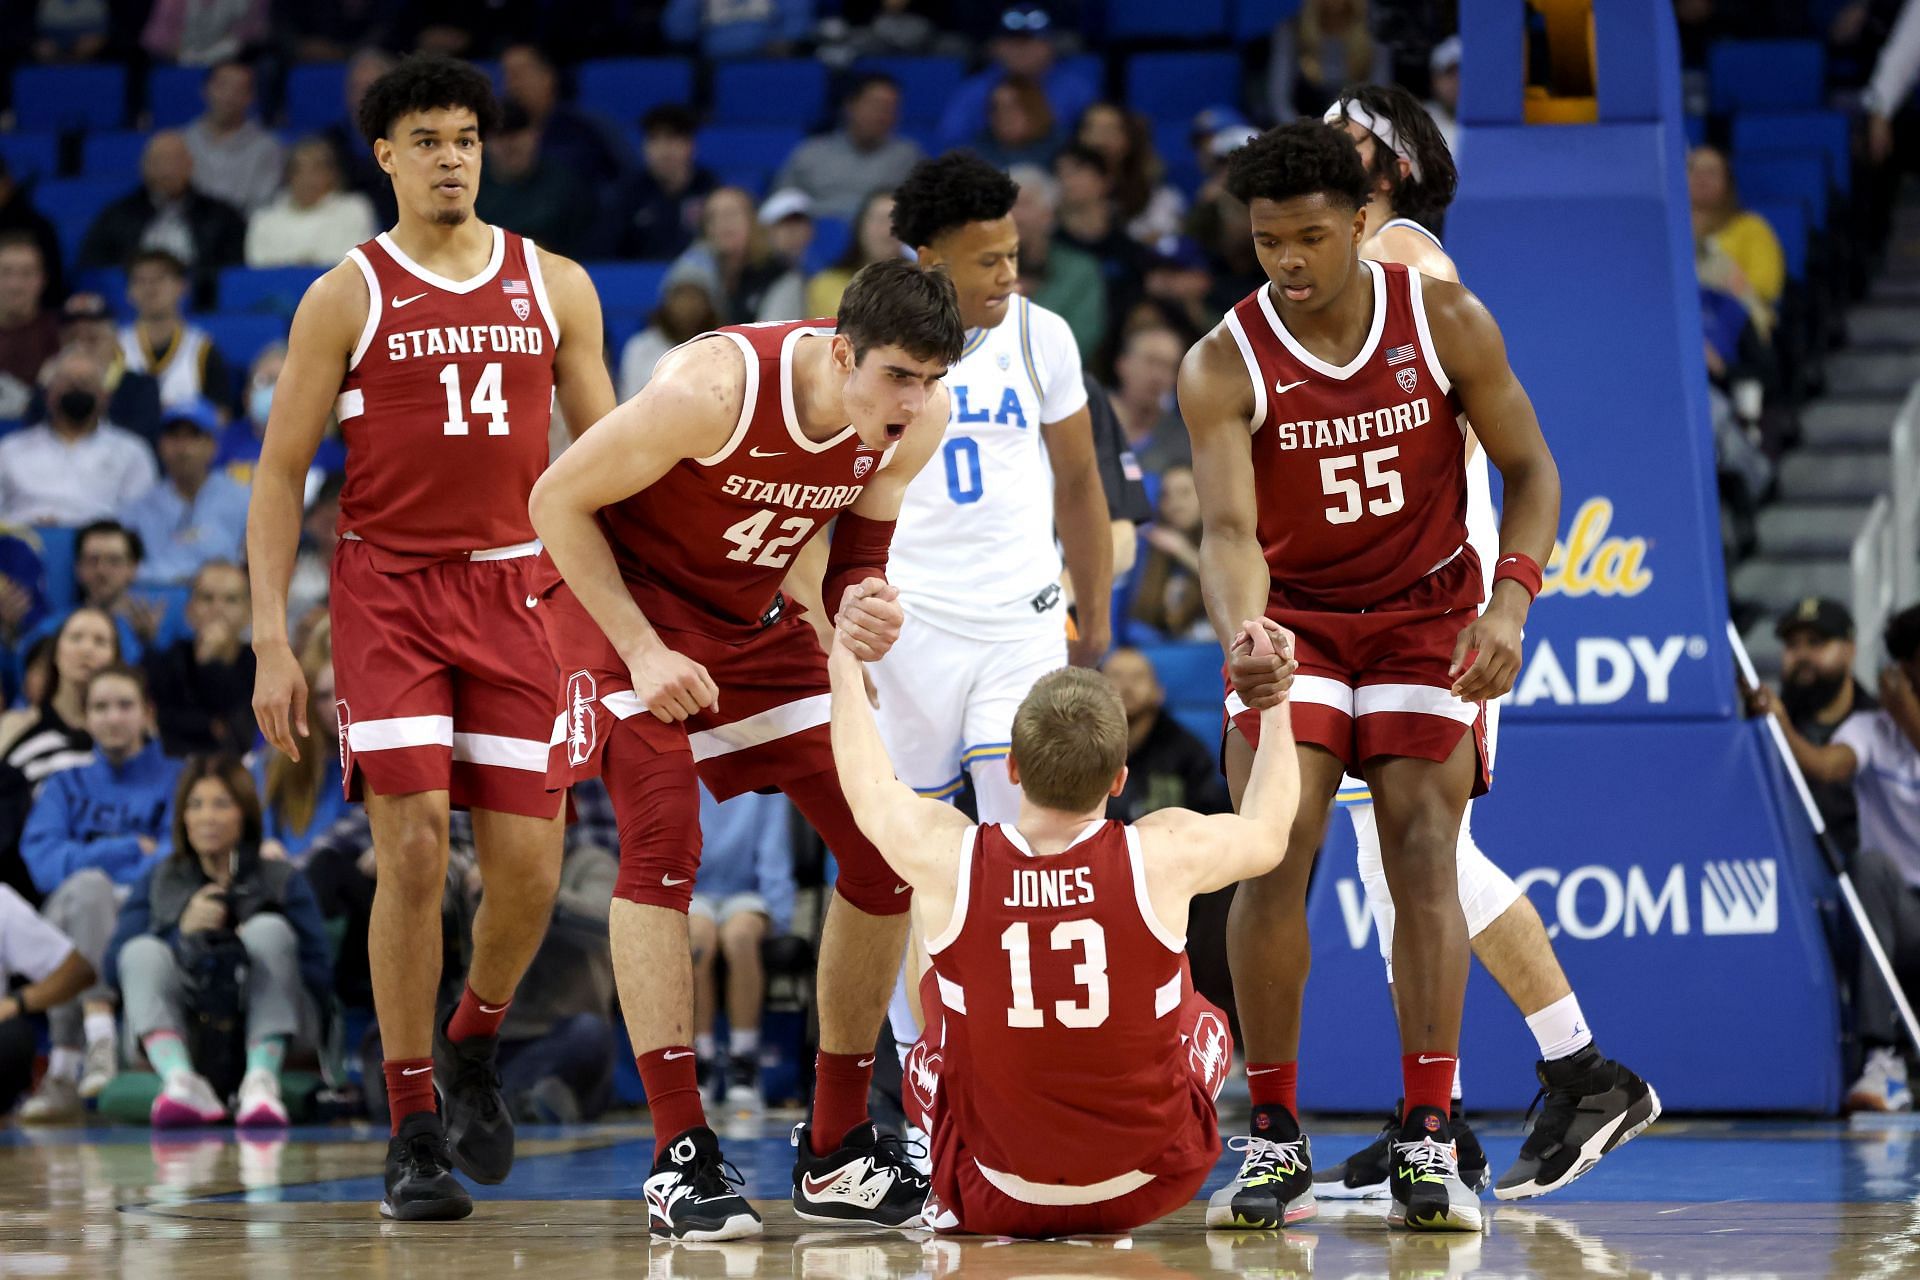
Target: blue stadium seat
x,y
1184,20
72,204
830,239
754,179
1766,75
1189,672
621,326
747,147
1173,139
785,91
1174,86
1696,127
1254,19
173,95
1788,218
1828,132
240,337
30,156
275,290
627,88
627,288
1796,175
316,96
113,153
925,84
56,557
109,282
72,97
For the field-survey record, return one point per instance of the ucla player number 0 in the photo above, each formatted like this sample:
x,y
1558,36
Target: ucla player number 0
x,y
962,455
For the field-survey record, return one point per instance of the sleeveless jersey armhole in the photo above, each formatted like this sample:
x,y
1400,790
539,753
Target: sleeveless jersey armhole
x,y
1252,362
372,325
1165,936
962,891
531,251
1417,301
749,394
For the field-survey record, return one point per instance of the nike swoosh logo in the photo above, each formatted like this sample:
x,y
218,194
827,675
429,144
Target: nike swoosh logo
x,y
818,1187
1425,1061
1281,389
491,1009
670,881
532,601
675,1057
413,1071
901,888
1264,1071
766,453
402,302
865,1063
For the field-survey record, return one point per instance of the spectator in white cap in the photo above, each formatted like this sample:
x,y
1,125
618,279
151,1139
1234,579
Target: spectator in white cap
x,y
787,215
733,260
1443,69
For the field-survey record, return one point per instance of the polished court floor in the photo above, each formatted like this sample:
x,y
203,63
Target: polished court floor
x,y
1692,1199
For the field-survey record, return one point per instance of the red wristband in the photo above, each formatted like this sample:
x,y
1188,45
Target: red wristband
x,y
1516,566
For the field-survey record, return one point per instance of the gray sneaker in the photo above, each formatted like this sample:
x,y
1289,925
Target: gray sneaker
x,y
56,1101
1427,1189
102,1065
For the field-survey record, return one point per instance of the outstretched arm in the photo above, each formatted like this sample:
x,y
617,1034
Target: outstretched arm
x,y
1474,355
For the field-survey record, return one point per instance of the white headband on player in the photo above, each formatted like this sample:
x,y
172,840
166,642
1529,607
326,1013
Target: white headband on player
x,y
1379,126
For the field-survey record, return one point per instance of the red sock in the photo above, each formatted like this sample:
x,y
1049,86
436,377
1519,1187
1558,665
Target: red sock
x,y
1428,1081
1272,1084
673,1093
474,1017
840,1082
409,1089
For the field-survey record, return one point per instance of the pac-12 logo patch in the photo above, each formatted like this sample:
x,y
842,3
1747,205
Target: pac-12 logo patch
x,y
583,729
1407,378
522,308
861,465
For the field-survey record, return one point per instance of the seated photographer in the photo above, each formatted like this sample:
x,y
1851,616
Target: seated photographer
x,y
219,947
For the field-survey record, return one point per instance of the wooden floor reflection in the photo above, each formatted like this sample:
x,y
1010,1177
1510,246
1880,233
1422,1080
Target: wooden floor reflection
x,y
1839,1204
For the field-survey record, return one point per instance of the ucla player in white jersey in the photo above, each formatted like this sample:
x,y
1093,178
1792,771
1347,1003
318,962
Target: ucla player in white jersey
x,y
1591,1104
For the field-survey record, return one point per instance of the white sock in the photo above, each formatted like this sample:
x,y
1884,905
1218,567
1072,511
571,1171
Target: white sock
x,y
66,1063
100,1027
1560,1029
744,1042
703,1046
1456,1078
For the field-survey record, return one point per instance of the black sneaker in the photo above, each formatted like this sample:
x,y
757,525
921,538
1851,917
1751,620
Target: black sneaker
x,y
1473,1157
1591,1105
479,1127
869,1178
420,1186
693,1193
1362,1175
1274,1187
1428,1192
743,1085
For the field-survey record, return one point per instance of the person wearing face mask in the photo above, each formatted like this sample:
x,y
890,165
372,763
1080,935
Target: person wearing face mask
x,y
133,397
195,514
75,466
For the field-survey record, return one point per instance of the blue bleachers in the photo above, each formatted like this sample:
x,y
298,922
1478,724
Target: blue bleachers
x,y
173,95
1255,19
1766,75
747,149
830,239
1788,218
1827,132
276,290
1184,20
240,336
72,204
30,156
73,97
631,288
315,96
109,282
1173,140
925,84
1176,86
1800,175
783,91
56,557
114,154
627,88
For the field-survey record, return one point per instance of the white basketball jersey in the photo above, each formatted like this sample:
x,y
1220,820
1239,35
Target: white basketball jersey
x,y
974,551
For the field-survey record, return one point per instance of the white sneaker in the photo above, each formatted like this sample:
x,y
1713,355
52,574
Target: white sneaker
x,y
102,1065
187,1101
259,1105
56,1101
1882,1085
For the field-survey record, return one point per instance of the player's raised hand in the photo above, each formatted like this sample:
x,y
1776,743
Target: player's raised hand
x,y
1261,678
869,619
673,686
280,698
1491,643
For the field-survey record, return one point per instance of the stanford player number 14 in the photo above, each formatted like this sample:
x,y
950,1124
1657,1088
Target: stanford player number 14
x,y
486,400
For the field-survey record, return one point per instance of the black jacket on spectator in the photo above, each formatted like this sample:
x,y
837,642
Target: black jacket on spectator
x,y
219,238
660,225
1119,468
201,707
1171,769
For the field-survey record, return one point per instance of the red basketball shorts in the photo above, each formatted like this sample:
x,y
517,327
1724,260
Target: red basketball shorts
x,y
968,1199
444,678
768,730
1376,682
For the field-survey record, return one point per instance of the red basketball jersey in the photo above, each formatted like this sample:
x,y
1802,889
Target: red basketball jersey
x,y
710,541
1063,1057
447,401
1359,470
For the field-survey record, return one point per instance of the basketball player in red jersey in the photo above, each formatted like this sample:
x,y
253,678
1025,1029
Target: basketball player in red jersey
x,y
673,522
1068,1069
1329,449
441,346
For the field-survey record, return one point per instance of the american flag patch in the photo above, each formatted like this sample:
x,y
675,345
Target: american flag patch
x,y
520,286
1129,465
1400,355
